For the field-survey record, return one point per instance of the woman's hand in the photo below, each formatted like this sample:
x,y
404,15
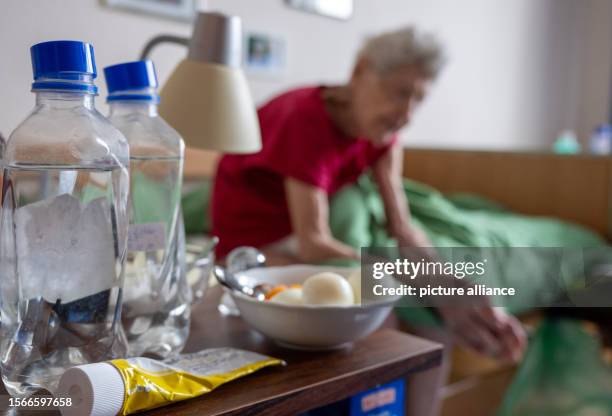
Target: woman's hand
x,y
480,326
414,241
413,237
486,329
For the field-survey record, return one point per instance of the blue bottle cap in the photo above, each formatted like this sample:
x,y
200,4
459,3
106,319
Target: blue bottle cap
x,y
63,65
131,81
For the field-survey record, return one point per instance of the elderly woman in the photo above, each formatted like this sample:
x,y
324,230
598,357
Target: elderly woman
x,y
318,139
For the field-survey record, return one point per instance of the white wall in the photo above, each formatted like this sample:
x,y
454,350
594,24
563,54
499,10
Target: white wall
x,y
520,70
596,58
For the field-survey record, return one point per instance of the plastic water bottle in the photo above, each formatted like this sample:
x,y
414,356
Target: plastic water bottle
x,y
157,297
63,226
601,140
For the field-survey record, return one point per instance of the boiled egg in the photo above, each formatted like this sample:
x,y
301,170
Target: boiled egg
x,y
327,288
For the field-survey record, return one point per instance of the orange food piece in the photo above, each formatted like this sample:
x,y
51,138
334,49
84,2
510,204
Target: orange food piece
x,y
295,286
275,291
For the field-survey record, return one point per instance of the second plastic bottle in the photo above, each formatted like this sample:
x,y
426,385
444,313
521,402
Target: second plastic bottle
x,y
157,298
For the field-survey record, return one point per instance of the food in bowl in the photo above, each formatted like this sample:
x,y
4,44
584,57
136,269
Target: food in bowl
x,y
325,288
354,280
305,326
275,290
289,296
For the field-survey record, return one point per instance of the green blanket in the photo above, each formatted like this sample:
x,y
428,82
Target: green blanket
x,y
196,208
562,374
461,220
357,218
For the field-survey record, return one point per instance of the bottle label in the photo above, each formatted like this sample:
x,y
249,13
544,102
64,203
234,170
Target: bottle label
x,y
147,237
65,248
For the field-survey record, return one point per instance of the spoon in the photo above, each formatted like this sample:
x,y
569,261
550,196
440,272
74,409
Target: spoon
x,y
244,258
230,281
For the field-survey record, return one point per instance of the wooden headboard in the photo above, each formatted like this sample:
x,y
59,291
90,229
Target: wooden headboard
x,y
574,188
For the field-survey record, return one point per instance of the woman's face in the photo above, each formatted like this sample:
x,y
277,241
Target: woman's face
x,y
383,103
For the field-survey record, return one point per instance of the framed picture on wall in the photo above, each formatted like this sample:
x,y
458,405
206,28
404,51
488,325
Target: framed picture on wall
x,y
174,9
264,54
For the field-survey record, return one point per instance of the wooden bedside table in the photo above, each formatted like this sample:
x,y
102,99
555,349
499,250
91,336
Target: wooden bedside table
x,y
310,379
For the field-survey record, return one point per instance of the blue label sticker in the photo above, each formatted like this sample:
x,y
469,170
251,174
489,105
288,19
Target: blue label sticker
x,y
385,400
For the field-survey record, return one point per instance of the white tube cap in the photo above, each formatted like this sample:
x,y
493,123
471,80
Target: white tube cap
x,y
95,390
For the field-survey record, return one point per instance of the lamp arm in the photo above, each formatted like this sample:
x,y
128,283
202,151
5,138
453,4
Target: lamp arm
x,y
162,39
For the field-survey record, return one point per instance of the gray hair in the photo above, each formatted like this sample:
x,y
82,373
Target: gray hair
x,y
406,46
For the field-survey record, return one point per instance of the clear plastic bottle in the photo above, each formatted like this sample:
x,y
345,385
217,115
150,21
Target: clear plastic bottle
x,y
157,297
63,226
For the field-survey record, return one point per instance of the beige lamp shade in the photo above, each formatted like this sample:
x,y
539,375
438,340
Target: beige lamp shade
x,y
210,105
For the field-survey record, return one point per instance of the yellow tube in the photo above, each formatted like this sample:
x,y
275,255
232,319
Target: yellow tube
x,y
132,385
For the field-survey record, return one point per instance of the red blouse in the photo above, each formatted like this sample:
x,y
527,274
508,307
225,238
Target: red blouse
x,y
299,141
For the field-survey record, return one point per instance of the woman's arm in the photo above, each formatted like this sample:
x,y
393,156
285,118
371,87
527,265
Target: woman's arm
x,y
309,212
388,176
482,327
